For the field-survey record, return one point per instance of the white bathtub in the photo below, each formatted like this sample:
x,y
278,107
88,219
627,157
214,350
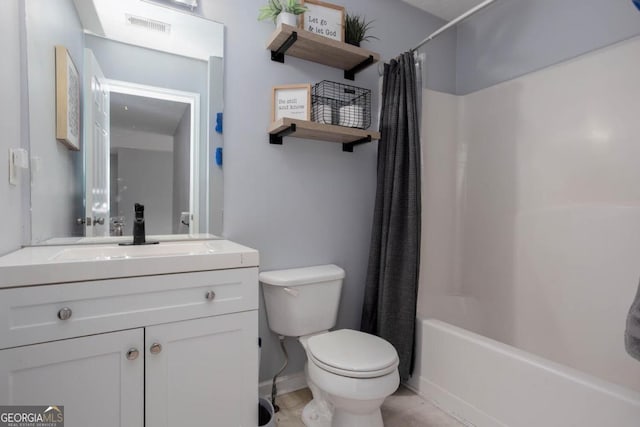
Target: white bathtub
x,y
486,383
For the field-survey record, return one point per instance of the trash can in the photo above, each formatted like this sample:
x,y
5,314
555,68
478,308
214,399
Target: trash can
x,y
265,413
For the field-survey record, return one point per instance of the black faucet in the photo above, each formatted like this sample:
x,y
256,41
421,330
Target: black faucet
x,y
139,237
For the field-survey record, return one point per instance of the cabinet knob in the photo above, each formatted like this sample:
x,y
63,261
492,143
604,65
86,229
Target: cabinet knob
x,y
65,313
132,354
155,348
210,295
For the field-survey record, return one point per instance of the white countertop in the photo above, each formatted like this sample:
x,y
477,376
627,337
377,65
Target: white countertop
x,y
59,264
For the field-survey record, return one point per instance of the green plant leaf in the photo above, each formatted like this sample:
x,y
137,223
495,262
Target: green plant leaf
x,y
273,8
356,29
292,6
264,13
270,11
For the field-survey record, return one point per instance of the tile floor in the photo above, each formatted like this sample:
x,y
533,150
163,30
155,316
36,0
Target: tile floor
x,y
403,409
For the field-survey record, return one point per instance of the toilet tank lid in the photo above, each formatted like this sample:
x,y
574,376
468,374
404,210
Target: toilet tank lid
x,y
302,276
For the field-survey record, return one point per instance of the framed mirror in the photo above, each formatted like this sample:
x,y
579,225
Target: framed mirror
x,y
150,81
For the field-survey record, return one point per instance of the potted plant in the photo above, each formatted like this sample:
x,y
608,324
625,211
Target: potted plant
x,y
356,29
282,12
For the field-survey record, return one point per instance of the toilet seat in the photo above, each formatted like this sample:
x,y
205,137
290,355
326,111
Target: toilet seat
x,y
354,354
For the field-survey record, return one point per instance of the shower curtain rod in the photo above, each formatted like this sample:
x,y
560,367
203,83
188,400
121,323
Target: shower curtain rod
x,y
453,23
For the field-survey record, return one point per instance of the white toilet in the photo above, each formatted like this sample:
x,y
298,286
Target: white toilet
x,y
350,373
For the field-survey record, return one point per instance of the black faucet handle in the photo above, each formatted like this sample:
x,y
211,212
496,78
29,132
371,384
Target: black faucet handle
x,y
139,211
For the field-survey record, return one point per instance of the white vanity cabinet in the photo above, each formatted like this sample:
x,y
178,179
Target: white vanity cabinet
x,y
205,372
156,351
90,376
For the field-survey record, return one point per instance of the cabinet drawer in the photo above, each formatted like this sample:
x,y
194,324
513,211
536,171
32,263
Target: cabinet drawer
x,y
35,314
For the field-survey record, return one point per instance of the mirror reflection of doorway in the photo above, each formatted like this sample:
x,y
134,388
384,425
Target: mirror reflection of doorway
x,y
149,163
147,153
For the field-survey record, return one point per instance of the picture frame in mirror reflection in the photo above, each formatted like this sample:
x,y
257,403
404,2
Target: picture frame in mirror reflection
x,y
67,99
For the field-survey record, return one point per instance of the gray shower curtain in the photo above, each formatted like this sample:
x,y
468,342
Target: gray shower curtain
x,y
389,309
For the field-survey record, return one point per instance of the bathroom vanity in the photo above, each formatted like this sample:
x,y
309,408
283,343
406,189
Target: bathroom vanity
x,y
155,336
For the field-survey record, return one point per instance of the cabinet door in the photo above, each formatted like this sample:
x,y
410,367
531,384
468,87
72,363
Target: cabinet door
x,y
91,376
203,372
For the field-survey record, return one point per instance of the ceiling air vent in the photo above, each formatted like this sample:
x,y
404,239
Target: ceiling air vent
x,y
148,24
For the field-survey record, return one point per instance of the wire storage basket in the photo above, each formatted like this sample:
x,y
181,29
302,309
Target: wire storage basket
x,y
339,104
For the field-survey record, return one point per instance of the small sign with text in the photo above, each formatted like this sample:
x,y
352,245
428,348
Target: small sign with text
x,y
324,19
292,101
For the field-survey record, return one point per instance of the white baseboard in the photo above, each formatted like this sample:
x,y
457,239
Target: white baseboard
x,y
285,384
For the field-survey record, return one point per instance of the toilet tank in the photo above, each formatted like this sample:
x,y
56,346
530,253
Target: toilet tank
x,y
302,301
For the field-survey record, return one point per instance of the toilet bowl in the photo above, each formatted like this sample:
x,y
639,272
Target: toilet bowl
x,y
356,372
350,373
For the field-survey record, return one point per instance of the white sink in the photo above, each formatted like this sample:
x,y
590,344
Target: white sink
x,y
37,265
112,252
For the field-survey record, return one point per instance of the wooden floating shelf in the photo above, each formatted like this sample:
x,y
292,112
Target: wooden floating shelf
x,y
293,41
348,137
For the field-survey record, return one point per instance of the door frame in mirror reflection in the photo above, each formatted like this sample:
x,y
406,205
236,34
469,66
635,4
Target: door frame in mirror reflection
x,y
96,148
160,93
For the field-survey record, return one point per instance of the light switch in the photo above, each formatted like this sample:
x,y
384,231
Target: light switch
x,y
18,160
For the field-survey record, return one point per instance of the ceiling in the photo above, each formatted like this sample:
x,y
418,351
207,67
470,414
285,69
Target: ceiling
x,y
146,114
445,9
153,26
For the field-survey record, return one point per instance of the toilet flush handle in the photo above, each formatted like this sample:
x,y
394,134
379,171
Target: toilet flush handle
x,y
292,292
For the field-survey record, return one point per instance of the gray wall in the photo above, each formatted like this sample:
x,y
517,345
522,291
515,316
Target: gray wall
x,y
305,202
135,64
216,140
56,190
11,218
181,169
148,178
515,37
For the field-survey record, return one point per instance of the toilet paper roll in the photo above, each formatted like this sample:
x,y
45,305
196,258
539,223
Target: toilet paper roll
x,y
321,113
352,116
